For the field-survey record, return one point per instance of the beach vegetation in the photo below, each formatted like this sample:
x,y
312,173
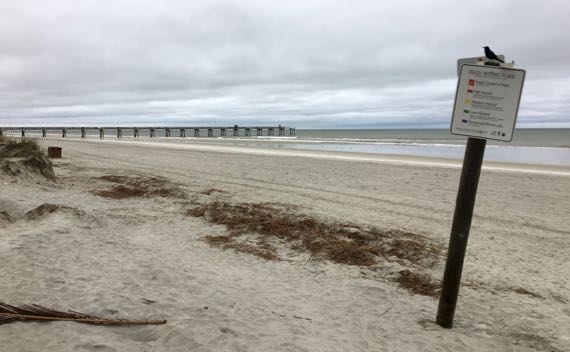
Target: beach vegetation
x,y
343,243
418,283
138,186
24,158
48,208
20,148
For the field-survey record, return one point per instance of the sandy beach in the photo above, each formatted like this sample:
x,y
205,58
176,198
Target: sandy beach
x,y
98,249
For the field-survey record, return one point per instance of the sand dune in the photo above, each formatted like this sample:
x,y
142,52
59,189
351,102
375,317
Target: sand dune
x,y
111,236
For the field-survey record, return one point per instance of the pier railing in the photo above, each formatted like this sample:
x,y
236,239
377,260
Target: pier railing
x,y
152,132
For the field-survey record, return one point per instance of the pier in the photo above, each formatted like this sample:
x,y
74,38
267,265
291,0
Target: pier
x,y
151,132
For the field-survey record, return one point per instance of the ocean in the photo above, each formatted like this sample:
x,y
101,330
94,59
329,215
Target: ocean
x,y
529,146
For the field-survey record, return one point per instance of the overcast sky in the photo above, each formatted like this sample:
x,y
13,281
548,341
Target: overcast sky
x,y
307,63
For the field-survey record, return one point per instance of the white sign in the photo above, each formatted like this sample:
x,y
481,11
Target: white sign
x,y
487,102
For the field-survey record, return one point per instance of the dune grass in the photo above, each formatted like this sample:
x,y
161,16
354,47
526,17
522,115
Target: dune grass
x,y
19,148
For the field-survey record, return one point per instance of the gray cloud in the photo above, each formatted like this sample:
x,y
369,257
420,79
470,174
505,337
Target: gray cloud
x,y
305,63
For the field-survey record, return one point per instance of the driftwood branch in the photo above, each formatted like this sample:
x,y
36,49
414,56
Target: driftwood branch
x,y
34,312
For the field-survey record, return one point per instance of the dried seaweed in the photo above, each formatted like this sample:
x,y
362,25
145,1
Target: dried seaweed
x,y
47,208
417,283
210,191
139,186
344,243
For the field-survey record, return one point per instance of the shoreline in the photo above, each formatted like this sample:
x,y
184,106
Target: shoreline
x,y
225,146
545,156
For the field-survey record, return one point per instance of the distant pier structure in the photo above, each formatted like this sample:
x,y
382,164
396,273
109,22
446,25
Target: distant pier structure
x,y
151,132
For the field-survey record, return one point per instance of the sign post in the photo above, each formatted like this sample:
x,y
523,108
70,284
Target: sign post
x,y
486,106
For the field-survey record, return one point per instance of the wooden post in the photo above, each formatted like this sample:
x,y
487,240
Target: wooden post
x,y
23,132
119,132
270,131
460,230
135,132
259,131
64,132
248,132
210,132
196,132
1,133
44,133
236,131
82,132
167,132
182,133
152,134
223,132
281,131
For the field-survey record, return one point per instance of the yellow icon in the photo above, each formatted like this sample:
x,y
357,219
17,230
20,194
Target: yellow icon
x,y
468,101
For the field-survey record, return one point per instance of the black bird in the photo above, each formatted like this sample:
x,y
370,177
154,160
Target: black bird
x,y
491,55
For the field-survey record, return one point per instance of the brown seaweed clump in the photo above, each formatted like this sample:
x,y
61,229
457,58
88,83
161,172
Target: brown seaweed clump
x,y
138,186
47,208
342,243
418,283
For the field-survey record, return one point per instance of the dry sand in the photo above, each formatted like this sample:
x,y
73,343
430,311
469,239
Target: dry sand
x,y
143,257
